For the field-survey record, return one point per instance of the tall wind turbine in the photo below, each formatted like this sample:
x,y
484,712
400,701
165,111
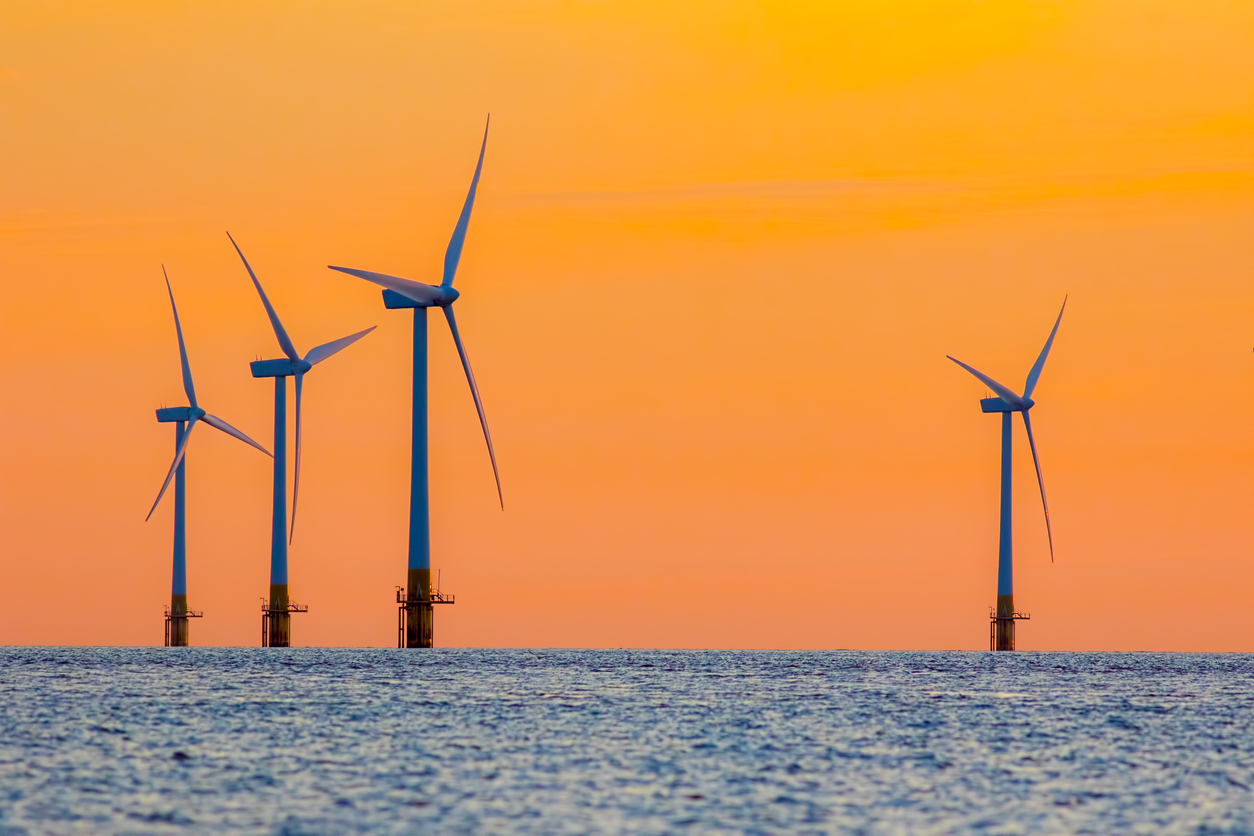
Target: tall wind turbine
x,y
184,419
415,609
1007,402
276,615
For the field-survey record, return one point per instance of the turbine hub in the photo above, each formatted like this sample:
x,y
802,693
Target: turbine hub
x,y
302,366
1028,403
448,295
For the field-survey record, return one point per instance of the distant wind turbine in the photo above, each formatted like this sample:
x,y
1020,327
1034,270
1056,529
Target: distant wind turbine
x,y
276,629
177,630
416,629
1007,402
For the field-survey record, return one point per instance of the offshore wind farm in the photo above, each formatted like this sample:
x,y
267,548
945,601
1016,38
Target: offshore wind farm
x,y
762,570
416,602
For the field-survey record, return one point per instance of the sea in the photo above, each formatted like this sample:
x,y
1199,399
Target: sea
x,y
331,741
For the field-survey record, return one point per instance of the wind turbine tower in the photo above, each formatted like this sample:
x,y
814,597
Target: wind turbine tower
x,y
1002,622
415,627
184,418
277,609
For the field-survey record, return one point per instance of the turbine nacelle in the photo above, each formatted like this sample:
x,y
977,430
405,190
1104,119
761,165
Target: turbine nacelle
x,y
430,296
1002,405
281,367
170,414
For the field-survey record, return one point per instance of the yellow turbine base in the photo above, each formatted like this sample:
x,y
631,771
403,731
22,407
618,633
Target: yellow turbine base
x,y
1005,636
279,621
180,634
419,617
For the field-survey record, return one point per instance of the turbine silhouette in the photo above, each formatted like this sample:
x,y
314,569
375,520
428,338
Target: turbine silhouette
x,y
416,630
277,633
185,419
1008,402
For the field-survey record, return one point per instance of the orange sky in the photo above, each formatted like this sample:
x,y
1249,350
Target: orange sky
x,y
718,256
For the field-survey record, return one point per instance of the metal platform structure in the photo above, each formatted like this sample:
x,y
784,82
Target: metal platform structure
x,y
179,626
1001,629
275,622
416,613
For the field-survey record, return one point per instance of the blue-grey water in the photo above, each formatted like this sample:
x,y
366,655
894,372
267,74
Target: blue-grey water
x,y
106,740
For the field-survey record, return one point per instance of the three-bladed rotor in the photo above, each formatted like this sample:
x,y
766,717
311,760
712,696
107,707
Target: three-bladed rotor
x,y
195,414
443,296
300,365
1023,403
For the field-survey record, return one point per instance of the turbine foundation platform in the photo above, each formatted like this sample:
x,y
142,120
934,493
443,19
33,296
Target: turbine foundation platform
x,y
276,622
1001,627
177,633
415,617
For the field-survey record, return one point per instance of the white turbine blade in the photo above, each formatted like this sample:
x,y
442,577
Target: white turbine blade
x,y
454,252
280,334
321,352
178,329
1033,375
1004,392
474,392
296,477
218,424
178,457
424,294
1027,422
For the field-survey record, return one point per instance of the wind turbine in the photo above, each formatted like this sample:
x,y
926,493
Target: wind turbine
x,y
185,419
1007,403
276,618
415,609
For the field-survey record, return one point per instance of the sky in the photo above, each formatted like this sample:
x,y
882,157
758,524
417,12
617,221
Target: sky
x,y
719,253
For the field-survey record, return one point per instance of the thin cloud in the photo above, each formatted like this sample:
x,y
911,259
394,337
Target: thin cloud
x,y
745,190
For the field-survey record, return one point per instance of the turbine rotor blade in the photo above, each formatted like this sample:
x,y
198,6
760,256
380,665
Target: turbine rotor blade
x,y
218,424
178,329
1004,392
296,478
454,252
280,334
1027,423
321,352
178,457
474,391
424,294
1035,373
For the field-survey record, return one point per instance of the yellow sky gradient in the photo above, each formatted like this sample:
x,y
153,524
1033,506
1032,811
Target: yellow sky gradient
x,y
718,256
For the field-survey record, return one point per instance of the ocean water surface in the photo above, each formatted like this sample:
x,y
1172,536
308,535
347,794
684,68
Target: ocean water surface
x,y
111,740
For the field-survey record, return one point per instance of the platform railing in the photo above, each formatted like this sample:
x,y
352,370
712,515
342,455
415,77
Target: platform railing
x,y
169,616
267,611
996,621
406,606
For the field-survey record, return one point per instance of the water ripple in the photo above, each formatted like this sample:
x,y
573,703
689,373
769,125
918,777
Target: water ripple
x,y
491,741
